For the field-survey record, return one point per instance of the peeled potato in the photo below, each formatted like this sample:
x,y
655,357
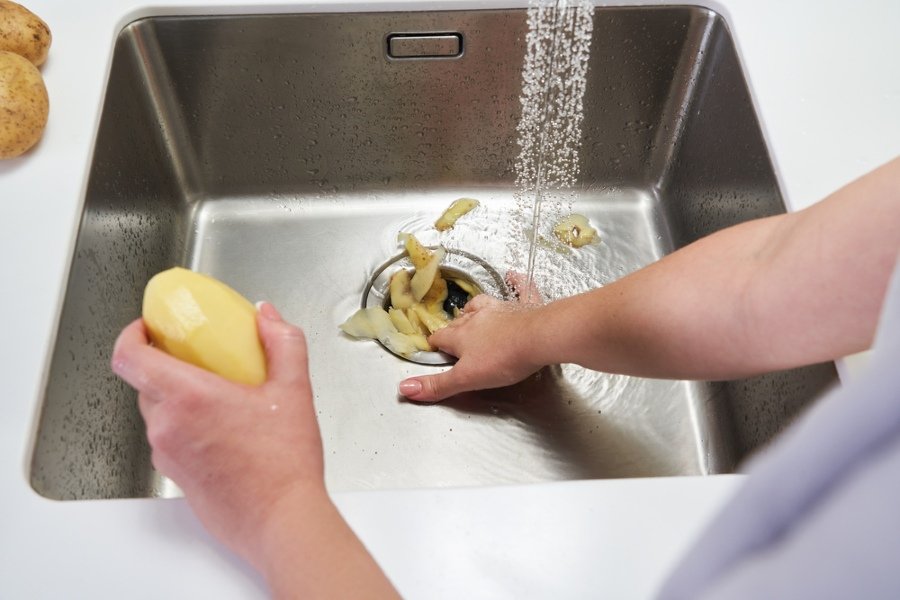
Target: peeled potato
x,y
202,321
23,32
24,105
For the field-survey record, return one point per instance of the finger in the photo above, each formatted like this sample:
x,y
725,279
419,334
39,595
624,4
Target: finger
x,y
480,302
524,287
154,373
460,320
446,339
285,345
149,409
146,405
432,388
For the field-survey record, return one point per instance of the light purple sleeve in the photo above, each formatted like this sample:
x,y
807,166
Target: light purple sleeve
x,y
819,514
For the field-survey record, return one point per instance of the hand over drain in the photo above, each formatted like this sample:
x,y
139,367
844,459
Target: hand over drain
x,y
418,292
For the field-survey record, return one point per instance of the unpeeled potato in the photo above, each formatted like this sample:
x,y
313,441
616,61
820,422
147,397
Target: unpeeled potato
x,y
200,320
23,32
24,105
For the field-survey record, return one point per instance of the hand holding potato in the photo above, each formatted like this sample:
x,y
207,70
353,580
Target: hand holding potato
x,y
218,440
200,320
249,460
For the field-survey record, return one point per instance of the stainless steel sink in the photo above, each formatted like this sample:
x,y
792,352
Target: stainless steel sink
x,y
282,154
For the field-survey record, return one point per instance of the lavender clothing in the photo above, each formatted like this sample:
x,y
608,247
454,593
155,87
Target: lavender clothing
x,y
819,514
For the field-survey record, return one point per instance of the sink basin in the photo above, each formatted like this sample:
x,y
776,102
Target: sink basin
x,y
282,154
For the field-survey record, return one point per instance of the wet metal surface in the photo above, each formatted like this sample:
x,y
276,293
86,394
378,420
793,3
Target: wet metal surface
x,y
283,154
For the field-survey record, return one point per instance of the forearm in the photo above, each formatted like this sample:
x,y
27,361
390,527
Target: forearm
x,y
309,551
682,317
764,295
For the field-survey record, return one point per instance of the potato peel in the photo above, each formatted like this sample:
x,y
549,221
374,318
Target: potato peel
x,y
424,276
575,230
416,307
418,254
456,210
375,323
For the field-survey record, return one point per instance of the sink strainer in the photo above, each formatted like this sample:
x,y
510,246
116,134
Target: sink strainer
x,y
457,264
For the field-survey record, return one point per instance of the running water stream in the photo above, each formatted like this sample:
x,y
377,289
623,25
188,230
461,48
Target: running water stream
x,y
549,131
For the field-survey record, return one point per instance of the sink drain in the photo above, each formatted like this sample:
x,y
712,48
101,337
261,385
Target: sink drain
x,y
457,264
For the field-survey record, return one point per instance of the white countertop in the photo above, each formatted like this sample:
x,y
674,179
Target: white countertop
x,y
826,80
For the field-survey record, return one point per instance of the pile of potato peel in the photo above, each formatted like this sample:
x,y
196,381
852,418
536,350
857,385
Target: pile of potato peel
x,y
417,304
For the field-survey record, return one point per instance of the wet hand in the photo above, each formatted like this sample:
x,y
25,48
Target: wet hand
x,y
491,340
236,451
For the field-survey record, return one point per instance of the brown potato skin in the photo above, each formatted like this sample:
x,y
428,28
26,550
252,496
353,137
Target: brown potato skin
x,y
23,32
24,105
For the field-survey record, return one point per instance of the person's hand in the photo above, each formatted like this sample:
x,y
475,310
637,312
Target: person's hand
x,y
236,451
491,338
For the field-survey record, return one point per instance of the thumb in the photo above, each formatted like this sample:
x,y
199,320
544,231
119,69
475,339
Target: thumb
x,y
432,388
287,360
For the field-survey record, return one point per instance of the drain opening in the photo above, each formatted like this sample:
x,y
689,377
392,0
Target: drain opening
x,y
457,264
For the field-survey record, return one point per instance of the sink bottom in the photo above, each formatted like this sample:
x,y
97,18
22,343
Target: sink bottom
x,y
311,256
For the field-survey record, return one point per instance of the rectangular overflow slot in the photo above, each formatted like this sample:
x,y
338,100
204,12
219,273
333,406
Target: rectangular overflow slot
x,y
424,45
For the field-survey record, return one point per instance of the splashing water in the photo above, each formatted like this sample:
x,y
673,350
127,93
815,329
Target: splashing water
x,y
549,131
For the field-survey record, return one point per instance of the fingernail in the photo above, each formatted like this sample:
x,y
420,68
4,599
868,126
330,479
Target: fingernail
x,y
410,387
268,311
